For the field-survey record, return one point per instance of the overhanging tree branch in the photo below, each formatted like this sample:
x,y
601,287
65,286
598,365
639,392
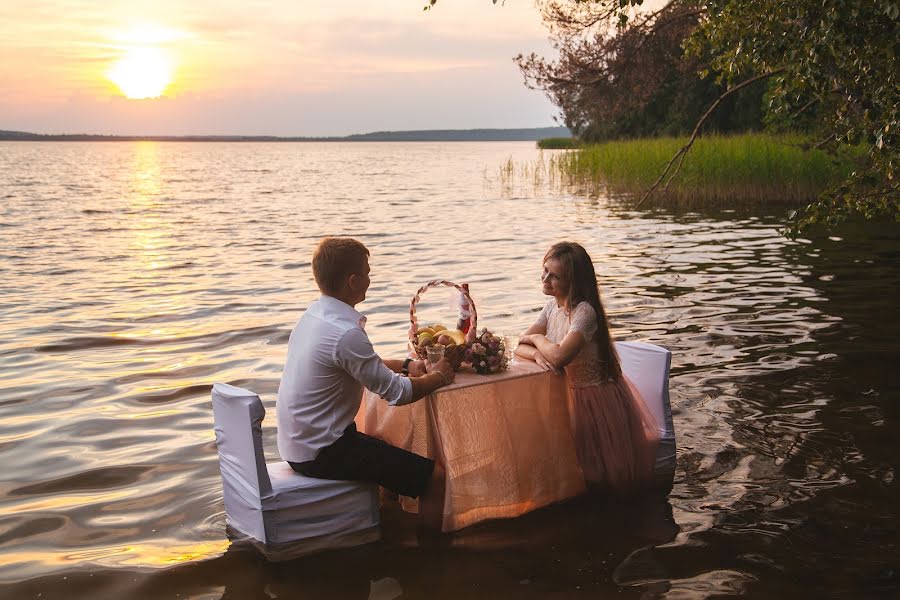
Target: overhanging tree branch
x,y
825,141
805,107
684,149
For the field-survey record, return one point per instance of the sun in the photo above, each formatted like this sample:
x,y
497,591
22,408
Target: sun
x,y
143,72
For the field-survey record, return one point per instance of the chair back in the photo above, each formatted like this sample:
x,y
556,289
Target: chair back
x,y
647,366
238,416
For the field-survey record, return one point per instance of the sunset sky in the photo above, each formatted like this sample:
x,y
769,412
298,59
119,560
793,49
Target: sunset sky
x,y
267,67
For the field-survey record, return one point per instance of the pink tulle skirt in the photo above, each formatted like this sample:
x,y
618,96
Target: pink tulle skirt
x,y
615,436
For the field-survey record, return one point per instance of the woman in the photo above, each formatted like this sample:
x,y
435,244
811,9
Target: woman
x,y
615,434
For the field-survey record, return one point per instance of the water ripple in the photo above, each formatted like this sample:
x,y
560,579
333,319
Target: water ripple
x,y
131,285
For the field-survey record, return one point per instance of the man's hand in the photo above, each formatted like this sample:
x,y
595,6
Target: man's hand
x,y
437,376
417,368
443,367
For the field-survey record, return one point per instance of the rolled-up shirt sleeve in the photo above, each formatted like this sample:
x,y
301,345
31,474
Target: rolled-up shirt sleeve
x,y
356,355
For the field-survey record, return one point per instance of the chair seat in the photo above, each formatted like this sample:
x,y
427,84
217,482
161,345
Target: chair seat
x,y
305,507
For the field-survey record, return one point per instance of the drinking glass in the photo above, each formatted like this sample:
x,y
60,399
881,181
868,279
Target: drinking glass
x,y
510,343
434,353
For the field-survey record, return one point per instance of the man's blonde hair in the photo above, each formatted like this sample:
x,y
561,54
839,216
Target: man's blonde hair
x,y
335,259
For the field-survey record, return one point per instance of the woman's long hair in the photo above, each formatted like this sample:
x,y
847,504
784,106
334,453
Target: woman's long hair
x,y
579,269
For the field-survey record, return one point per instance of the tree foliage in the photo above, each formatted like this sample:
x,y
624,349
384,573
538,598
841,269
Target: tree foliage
x,y
618,77
840,58
830,66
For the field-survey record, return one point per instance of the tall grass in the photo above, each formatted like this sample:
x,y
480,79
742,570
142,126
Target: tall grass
x,y
520,178
750,167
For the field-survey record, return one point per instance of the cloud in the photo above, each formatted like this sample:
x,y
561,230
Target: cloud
x,y
386,42
266,67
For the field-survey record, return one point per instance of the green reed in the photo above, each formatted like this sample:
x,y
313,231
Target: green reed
x,y
749,167
558,143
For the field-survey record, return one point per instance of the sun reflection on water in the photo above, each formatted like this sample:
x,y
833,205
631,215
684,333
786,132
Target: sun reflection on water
x,y
141,555
145,190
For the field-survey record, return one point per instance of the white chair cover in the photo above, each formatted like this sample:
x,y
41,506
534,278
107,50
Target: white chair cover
x,y
647,366
272,503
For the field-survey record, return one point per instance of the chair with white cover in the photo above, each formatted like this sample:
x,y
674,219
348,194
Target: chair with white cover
x,y
647,366
273,504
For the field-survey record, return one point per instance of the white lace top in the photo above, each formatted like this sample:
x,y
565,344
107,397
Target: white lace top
x,y
585,369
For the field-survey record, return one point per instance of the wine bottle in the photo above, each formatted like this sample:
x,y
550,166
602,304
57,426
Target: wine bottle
x,y
465,315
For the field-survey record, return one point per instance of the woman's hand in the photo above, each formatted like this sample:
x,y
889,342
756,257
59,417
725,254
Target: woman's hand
x,y
529,338
544,363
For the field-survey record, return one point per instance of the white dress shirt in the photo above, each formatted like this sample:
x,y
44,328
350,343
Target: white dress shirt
x,y
329,361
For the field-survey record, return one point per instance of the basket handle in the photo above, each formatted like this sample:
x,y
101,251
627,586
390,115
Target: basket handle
x,y
413,323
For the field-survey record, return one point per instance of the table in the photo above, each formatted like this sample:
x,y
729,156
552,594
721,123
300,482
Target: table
x,y
505,441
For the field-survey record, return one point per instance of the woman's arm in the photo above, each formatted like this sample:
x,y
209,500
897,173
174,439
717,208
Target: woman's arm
x,y
559,355
525,350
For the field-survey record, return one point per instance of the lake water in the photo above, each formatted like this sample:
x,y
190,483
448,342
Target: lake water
x,y
134,275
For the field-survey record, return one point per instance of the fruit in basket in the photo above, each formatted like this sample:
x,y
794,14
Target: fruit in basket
x,y
422,336
425,341
444,339
437,327
427,330
456,335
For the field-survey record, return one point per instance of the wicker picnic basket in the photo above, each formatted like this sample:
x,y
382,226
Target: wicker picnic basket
x,y
413,322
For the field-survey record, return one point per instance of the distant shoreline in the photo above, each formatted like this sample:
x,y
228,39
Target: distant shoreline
x,y
433,135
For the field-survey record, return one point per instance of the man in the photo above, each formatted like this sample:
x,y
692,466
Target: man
x,y
330,359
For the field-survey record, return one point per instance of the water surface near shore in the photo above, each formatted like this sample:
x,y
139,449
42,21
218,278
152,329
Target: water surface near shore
x,y
137,274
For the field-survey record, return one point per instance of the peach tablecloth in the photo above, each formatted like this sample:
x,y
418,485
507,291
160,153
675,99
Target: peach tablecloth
x,y
504,439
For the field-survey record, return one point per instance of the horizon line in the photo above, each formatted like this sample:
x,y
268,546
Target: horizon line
x,y
11,133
